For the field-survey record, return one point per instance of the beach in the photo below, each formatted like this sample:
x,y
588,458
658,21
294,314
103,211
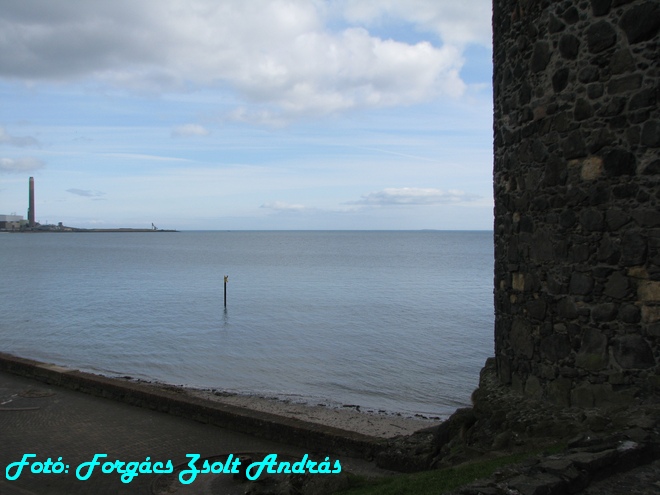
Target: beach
x,y
348,417
247,412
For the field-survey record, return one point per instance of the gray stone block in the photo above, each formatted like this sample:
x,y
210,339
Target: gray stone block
x,y
574,146
582,396
647,218
633,248
633,352
540,484
581,284
540,56
569,46
652,168
619,162
600,7
646,98
600,36
617,286
624,84
533,387
593,461
521,338
592,220
588,74
555,347
641,23
583,110
604,312
536,309
593,350
630,313
616,218
566,309
651,134
622,61
559,391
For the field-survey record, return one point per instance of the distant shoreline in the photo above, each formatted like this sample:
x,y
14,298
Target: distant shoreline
x,y
68,231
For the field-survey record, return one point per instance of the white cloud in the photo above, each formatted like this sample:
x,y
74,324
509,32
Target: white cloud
x,y
190,130
283,206
262,117
19,141
456,23
278,53
20,165
414,196
142,156
85,193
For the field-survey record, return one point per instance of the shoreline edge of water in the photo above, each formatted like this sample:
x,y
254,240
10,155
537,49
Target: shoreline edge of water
x,y
344,431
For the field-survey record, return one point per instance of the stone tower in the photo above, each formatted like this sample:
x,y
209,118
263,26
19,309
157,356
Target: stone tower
x,y
577,199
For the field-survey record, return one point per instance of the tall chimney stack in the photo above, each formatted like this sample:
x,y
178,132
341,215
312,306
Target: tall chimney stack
x,y
31,221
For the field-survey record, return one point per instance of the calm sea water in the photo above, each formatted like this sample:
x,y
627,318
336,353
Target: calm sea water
x,y
397,321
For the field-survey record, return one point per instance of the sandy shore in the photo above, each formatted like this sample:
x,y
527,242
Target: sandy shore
x,y
349,417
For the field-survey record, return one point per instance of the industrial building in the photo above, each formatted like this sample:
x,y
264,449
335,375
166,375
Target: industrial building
x,y
17,222
11,222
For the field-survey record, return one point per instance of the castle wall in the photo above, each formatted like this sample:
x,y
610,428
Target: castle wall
x,y
577,199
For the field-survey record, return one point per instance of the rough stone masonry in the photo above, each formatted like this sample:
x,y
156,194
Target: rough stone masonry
x,y
577,199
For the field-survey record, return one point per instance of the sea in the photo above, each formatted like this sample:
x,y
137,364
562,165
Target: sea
x,y
391,321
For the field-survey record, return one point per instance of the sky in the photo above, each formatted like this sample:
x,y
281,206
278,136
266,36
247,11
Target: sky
x,y
248,114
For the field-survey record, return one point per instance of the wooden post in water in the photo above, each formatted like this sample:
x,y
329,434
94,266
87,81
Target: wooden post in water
x,y
226,279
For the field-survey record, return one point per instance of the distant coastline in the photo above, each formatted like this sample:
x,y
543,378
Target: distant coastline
x,y
69,229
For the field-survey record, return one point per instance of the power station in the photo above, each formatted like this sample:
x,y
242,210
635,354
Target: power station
x,y
16,223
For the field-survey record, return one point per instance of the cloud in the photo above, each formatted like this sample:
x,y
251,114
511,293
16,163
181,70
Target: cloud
x,y
456,23
285,55
142,156
282,206
262,117
190,130
19,141
20,165
414,196
85,193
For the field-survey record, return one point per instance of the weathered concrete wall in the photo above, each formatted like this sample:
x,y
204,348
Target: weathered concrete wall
x,y
288,430
577,199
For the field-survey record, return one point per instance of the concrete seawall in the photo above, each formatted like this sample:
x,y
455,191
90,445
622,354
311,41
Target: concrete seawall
x,y
260,424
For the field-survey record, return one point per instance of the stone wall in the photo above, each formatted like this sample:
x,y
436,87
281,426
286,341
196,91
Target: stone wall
x,y
577,199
